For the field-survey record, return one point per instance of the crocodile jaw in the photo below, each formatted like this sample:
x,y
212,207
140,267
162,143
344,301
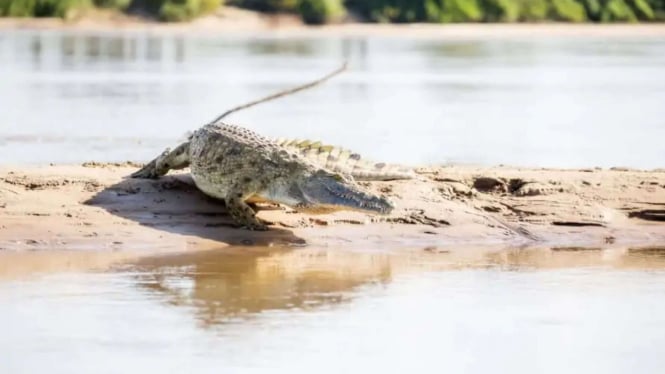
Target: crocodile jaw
x,y
344,199
325,192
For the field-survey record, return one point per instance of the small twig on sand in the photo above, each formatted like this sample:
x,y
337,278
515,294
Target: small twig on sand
x,y
282,93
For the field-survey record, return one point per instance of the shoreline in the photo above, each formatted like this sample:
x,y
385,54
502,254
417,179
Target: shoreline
x,y
234,21
93,207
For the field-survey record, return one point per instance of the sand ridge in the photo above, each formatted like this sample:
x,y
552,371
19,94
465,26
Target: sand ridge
x,y
94,206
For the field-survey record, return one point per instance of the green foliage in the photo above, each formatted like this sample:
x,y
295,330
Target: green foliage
x,y
515,10
177,11
43,8
617,10
393,10
568,10
146,6
459,11
432,10
642,9
534,10
167,10
501,10
185,10
323,11
320,11
268,5
24,8
443,11
113,4
209,6
418,11
593,9
658,7
69,9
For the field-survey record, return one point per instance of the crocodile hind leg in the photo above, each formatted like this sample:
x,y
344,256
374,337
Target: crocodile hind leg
x,y
242,213
169,159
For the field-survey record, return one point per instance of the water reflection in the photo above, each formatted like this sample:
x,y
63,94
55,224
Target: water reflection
x,y
76,51
239,282
324,310
285,48
36,50
235,283
455,50
578,257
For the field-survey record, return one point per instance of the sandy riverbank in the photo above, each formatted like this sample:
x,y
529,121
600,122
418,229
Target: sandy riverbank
x,y
93,207
230,20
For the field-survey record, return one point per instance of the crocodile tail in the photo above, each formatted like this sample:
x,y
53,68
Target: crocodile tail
x,y
344,161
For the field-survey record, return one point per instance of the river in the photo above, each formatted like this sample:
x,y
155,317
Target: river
x,y
552,102
272,310
70,97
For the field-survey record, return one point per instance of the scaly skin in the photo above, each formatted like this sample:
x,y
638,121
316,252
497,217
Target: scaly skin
x,y
344,161
239,166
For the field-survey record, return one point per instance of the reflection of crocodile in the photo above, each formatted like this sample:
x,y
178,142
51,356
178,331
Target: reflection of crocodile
x,y
221,286
239,166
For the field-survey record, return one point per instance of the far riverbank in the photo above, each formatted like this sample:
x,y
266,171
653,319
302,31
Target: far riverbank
x,y
240,21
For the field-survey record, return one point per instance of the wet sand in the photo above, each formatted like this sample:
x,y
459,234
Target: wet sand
x,y
94,206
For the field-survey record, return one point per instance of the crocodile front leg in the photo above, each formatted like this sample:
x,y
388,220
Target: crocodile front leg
x,y
176,159
243,214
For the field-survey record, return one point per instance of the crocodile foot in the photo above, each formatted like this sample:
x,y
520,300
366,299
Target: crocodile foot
x,y
244,215
150,170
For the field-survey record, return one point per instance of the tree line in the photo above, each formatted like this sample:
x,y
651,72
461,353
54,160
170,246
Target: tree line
x,y
398,11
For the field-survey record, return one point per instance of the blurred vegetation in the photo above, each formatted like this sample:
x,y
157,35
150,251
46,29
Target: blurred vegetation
x,y
325,11
165,10
184,10
320,11
445,11
267,5
43,8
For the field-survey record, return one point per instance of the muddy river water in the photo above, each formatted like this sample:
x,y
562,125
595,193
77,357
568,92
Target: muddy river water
x,y
303,310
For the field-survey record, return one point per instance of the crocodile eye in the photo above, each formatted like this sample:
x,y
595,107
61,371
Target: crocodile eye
x,y
327,174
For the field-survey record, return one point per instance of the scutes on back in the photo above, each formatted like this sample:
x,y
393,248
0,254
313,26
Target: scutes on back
x,y
231,158
344,161
225,136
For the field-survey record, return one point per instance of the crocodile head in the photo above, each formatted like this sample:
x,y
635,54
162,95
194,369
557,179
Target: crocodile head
x,y
321,191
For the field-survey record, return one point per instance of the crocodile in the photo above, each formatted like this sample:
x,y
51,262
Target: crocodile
x,y
241,167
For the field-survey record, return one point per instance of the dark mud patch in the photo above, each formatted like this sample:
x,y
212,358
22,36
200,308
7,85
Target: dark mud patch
x,y
649,215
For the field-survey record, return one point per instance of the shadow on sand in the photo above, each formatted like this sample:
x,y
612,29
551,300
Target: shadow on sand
x,y
174,204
